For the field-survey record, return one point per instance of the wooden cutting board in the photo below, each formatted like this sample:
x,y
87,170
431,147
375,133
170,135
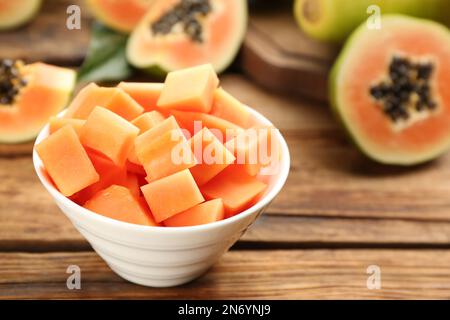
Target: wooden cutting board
x,y
277,55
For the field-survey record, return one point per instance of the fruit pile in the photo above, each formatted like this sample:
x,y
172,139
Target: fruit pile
x,y
179,153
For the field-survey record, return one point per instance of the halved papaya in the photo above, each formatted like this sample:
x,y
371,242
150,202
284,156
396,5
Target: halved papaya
x,y
176,34
18,12
120,15
29,96
390,89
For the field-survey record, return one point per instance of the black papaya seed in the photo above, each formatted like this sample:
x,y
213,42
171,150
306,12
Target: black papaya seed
x,y
407,80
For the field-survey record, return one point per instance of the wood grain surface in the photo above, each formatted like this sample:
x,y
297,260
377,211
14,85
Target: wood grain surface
x,y
275,274
46,37
369,204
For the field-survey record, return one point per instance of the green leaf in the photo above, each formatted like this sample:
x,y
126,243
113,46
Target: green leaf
x,y
106,58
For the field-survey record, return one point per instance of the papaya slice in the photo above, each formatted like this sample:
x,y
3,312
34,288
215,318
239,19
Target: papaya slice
x,y
22,86
190,89
203,213
171,195
177,34
110,134
237,189
397,108
118,203
66,161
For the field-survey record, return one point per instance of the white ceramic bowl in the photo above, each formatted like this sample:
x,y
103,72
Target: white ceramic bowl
x,y
159,256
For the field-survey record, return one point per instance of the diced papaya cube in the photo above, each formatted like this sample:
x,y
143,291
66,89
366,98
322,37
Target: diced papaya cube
x,y
123,105
148,120
66,161
114,99
117,202
83,103
144,122
203,213
151,135
212,156
109,134
189,89
171,195
57,123
252,148
227,107
146,94
195,121
166,155
109,174
237,189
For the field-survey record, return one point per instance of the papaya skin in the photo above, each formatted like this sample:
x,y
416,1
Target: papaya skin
x,y
333,21
14,14
336,105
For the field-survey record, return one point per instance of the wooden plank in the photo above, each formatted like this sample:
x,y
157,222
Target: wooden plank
x,y
277,55
46,38
291,274
29,220
14,150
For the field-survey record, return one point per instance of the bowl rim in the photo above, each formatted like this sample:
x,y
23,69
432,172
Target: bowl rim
x,y
81,211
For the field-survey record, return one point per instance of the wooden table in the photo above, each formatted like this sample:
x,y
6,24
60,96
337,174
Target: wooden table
x,y
338,214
